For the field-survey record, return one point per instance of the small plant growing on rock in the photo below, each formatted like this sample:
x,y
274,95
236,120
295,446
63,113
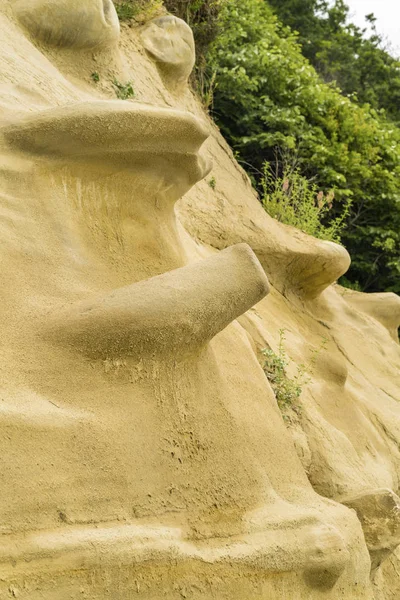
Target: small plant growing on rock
x,y
288,390
124,91
95,77
212,183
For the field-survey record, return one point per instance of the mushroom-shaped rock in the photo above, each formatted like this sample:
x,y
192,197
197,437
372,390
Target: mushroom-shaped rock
x,y
296,263
118,135
170,42
311,270
106,128
69,23
177,311
379,513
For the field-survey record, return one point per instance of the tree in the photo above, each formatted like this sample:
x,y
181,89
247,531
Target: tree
x,y
340,51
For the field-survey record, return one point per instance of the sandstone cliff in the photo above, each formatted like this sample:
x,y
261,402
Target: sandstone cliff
x,y
143,450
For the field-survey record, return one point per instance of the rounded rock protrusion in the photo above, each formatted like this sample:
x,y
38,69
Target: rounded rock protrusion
x,y
173,312
379,513
170,42
69,23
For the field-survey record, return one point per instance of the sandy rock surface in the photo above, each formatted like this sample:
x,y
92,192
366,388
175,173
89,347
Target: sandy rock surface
x,y
143,451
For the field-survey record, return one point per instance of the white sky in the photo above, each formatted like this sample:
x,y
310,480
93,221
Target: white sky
x,y
387,13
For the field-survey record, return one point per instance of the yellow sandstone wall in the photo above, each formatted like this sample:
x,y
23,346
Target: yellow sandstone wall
x,y
143,452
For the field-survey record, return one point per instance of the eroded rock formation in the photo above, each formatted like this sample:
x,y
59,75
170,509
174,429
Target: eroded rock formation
x,y
143,451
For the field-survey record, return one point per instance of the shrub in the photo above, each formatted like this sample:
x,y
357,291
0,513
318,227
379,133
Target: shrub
x,y
288,390
294,200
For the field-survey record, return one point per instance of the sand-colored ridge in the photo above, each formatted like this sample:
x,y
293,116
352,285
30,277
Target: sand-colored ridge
x,y
175,312
77,130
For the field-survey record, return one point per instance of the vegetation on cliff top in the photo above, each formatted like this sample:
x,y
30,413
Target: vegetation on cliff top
x,y
276,92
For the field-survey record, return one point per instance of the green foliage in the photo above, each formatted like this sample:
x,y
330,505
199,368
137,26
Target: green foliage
x,y
95,77
268,96
123,91
126,11
137,9
349,284
294,200
205,87
342,52
212,183
288,390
